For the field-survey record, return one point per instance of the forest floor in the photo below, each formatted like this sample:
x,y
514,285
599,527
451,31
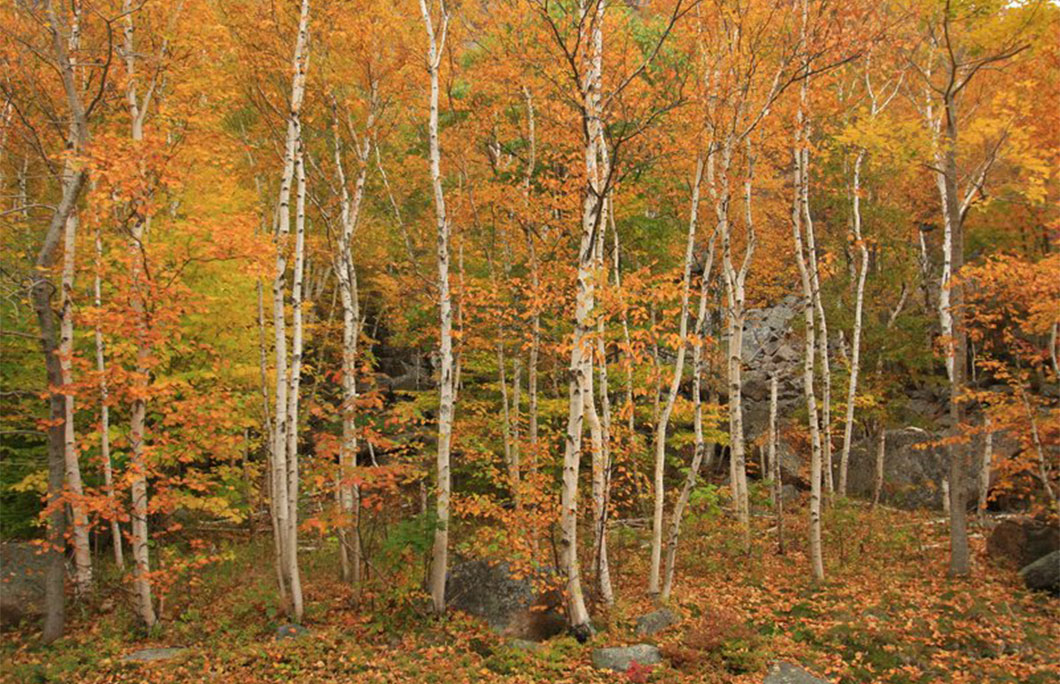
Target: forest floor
x,y
886,613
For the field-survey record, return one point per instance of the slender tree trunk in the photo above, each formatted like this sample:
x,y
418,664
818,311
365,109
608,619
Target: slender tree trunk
x,y
881,449
104,411
960,557
346,272
859,305
815,284
82,552
285,423
701,447
446,380
984,466
295,380
774,461
816,557
675,383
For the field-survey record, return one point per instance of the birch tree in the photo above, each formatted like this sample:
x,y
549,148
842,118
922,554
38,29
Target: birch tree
x,y
59,31
346,271
104,410
944,88
675,383
79,522
807,279
437,30
877,103
285,424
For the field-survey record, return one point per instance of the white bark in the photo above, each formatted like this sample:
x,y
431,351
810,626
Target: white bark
x,y
881,448
675,383
985,464
735,294
774,461
82,552
138,108
104,412
859,305
285,423
446,381
816,558
701,447
346,272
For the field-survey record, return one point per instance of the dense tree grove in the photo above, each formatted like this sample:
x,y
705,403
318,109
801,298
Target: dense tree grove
x,y
409,284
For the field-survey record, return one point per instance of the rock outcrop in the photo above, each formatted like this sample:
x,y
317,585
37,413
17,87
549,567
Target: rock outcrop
x,y
1018,542
511,604
22,572
619,658
1043,574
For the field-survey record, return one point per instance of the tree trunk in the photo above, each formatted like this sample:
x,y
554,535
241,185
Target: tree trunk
x,y
701,447
881,448
859,305
816,557
104,412
446,380
774,460
675,383
282,470
984,466
82,552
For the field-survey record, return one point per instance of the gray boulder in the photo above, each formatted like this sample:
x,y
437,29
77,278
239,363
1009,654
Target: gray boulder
x,y
619,658
1018,542
786,673
22,572
512,607
1043,574
913,468
656,621
154,655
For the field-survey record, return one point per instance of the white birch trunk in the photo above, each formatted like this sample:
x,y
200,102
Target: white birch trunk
x,y
700,449
881,448
284,423
82,552
446,380
859,306
984,466
346,272
675,383
140,285
816,557
774,461
104,411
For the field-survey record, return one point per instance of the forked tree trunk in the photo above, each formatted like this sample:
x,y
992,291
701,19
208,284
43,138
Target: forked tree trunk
x,y
600,436
281,471
346,272
816,557
40,293
797,214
